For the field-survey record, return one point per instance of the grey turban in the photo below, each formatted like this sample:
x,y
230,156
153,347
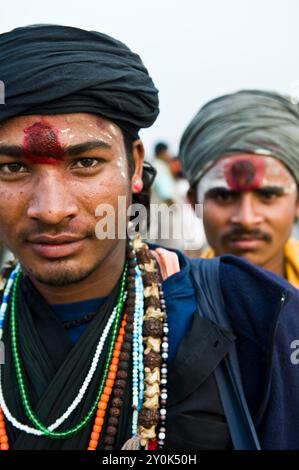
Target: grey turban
x,y
251,121
48,69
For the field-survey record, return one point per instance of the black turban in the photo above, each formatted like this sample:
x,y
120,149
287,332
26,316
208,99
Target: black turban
x,y
252,121
49,69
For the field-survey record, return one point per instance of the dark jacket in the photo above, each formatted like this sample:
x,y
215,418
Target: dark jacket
x,y
263,310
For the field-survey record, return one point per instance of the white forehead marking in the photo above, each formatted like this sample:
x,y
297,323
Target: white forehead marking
x,y
65,131
121,164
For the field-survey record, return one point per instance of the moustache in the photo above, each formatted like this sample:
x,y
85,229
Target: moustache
x,y
240,233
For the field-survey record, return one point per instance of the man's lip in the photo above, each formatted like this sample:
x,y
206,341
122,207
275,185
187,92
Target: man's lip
x,y
245,243
57,250
54,240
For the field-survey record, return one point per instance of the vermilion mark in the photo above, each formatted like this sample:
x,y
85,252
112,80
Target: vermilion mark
x,y
41,144
245,174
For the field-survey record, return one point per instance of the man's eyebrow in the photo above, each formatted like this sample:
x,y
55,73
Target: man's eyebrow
x,y
71,150
220,189
275,189
77,149
11,150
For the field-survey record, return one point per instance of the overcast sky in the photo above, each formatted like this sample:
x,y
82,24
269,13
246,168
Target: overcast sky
x,y
195,50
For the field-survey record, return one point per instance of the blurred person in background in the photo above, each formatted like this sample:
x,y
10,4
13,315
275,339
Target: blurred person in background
x,y
170,188
164,184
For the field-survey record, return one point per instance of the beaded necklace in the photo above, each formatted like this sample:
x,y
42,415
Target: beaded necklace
x,y
149,355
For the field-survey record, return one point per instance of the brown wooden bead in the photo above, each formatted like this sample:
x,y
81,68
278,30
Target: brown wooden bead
x,y
144,255
126,347
148,418
152,359
153,328
128,323
131,286
118,392
129,328
133,262
109,440
122,374
130,316
123,365
116,402
128,337
124,356
120,383
113,420
114,411
111,431
152,302
151,278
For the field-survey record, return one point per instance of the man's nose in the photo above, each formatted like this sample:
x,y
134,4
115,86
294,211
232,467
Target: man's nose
x,y
52,201
247,212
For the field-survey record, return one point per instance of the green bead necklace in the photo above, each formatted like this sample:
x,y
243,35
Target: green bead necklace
x,y
20,373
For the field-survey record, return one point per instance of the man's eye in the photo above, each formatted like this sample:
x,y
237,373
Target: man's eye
x,y
87,163
270,194
9,168
220,195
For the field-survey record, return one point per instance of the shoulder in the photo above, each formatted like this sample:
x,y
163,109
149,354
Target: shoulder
x,y
253,297
233,266
252,287
262,307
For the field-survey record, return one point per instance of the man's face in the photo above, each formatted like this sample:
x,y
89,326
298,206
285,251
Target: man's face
x,y
250,203
54,173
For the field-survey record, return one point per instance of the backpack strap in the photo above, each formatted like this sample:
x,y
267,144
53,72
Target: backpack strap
x,y
210,303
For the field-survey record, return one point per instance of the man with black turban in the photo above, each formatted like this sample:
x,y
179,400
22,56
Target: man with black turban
x,y
110,344
241,156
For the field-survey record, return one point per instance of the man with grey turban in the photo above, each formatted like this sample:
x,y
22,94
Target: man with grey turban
x,y
241,156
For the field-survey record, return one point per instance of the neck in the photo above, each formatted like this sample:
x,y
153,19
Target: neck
x,y
99,284
276,265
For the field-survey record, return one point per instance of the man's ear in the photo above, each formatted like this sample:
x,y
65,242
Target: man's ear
x,y
191,196
138,157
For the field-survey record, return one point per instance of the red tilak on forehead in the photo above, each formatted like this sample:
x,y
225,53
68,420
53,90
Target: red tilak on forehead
x,y
41,143
245,174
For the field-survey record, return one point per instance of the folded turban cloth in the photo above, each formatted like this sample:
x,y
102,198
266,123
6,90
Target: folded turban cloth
x,y
49,69
252,121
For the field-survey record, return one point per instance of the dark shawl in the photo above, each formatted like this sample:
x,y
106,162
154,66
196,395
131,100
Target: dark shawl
x,y
55,370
